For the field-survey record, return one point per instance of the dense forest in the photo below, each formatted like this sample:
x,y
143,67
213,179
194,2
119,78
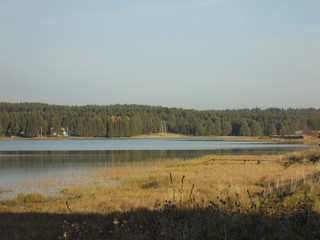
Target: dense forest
x,y
40,119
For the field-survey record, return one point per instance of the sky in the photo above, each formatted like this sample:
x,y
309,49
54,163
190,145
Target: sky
x,y
194,54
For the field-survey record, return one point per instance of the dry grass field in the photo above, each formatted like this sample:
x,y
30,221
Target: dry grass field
x,y
212,197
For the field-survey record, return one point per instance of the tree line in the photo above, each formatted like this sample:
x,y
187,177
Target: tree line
x,y
35,119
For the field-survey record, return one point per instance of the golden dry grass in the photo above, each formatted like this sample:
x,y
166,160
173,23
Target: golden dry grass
x,y
205,178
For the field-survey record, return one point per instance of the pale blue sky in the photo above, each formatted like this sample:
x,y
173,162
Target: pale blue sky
x,y
202,54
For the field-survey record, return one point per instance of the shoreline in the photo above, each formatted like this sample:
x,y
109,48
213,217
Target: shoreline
x,y
142,136
175,136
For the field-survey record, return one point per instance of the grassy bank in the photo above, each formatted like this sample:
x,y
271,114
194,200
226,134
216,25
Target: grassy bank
x,y
220,197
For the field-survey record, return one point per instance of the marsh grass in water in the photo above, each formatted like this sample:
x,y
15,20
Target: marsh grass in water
x,y
30,198
310,155
213,197
3,190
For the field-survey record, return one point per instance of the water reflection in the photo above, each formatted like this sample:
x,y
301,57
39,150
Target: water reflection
x,y
91,159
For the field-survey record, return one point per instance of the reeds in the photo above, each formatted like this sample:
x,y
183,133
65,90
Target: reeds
x,y
30,198
3,190
223,217
309,155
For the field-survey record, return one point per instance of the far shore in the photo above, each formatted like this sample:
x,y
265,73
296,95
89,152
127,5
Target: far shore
x,y
143,136
174,136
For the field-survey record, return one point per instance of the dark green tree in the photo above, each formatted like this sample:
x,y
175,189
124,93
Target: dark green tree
x,y
33,125
244,129
226,128
255,129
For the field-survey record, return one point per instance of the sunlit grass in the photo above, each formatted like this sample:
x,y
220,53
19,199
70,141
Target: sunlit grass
x,y
207,177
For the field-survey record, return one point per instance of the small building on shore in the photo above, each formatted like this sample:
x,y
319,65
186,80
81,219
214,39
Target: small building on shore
x,y
308,134
61,133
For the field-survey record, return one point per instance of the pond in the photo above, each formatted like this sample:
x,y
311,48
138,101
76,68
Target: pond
x,y
47,166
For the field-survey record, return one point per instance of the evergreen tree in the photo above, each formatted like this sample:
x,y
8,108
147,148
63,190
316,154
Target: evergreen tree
x,y
217,126
110,129
255,129
314,122
128,120
33,125
244,129
209,128
271,130
226,128
55,126
1,130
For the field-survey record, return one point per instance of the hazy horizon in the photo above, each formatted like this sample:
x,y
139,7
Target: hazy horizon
x,y
205,55
163,106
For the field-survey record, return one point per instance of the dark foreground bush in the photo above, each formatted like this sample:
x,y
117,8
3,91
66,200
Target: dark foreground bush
x,y
166,224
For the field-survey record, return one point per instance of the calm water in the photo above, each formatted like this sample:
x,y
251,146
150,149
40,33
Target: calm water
x,y
135,144
49,165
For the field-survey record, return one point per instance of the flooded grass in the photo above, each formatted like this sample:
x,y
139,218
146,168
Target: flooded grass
x,y
309,155
52,186
3,191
